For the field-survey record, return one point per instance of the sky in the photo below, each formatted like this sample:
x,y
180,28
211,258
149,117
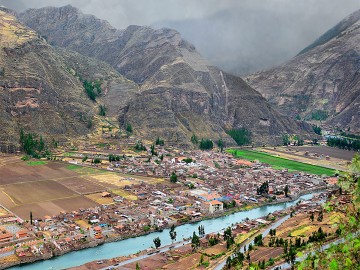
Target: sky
x,y
240,36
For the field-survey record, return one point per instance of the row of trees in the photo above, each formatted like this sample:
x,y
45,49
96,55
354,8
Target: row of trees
x,y
114,157
292,139
207,144
343,143
195,240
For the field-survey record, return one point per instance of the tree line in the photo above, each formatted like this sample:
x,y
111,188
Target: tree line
x,y
343,143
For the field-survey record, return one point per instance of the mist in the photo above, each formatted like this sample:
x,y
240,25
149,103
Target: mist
x,y
240,36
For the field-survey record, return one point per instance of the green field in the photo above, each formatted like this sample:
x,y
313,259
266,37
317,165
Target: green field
x,y
35,163
82,169
280,163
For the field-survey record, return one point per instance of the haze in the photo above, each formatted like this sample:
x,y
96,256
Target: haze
x,y
240,36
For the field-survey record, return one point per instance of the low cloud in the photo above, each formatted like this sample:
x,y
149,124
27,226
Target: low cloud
x,y
240,36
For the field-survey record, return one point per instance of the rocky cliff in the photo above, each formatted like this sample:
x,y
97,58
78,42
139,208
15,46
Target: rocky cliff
x,y
36,90
322,82
179,93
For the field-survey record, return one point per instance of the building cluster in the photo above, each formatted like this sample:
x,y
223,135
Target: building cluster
x,y
208,184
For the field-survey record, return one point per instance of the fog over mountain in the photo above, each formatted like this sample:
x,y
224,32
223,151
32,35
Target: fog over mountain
x,y
240,36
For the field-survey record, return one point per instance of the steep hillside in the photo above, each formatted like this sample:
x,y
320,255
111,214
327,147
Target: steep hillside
x,y
180,93
36,90
323,81
116,89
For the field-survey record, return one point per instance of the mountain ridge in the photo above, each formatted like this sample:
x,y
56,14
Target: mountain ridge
x,y
322,83
180,93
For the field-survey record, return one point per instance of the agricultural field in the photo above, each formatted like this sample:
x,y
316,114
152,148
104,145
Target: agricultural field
x,y
301,226
319,155
330,151
280,163
47,188
98,198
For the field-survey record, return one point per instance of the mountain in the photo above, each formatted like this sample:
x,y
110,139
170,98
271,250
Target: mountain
x,y
322,82
36,90
179,92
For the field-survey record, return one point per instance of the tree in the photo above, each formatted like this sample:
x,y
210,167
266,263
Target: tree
x,y
220,144
206,144
102,110
291,256
286,139
173,178
194,139
137,266
258,241
227,233
241,136
152,150
195,241
157,242
139,146
159,141
263,189
89,89
312,217
317,129
286,191
172,233
320,216
31,218
248,257
201,230
213,240
129,128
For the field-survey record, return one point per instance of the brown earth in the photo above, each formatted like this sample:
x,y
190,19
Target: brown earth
x,y
264,253
54,207
330,151
33,192
81,185
44,189
18,171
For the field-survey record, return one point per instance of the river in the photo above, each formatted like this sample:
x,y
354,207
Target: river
x,y
133,245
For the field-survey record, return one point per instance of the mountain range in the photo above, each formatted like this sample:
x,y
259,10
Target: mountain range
x,y
152,79
158,82
322,82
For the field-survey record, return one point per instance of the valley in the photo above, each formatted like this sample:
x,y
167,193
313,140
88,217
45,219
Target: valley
x,y
127,149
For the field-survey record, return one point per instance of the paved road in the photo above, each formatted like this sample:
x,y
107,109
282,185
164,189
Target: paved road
x,y
161,250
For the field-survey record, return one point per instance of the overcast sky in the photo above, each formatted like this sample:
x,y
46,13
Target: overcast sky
x,y
238,35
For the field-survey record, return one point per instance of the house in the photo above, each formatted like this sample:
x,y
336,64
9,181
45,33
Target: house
x,y
215,206
6,237
22,233
105,194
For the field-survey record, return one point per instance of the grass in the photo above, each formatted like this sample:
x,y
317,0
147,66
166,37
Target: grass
x,y
36,163
240,238
303,230
280,163
82,169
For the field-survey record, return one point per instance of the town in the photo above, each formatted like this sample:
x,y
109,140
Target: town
x,y
156,189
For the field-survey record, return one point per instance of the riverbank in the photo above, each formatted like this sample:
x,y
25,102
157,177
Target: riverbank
x,y
142,259
135,244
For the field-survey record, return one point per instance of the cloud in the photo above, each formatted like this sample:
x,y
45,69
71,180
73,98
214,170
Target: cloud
x,y
238,35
